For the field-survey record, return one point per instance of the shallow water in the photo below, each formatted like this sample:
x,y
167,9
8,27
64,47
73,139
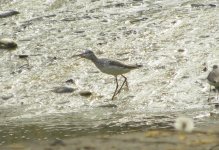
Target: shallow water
x,y
174,41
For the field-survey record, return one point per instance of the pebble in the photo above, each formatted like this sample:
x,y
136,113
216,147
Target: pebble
x,y
138,20
85,93
57,142
216,106
181,50
212,5
108,106
6,97
197,5
22,56
205,69
8,13
70,81
79,31
63,90
6,43
119,5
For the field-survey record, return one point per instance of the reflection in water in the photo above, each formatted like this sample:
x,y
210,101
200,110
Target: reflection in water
x,y
62,128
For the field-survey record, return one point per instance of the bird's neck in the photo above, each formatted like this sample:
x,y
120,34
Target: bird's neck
x,y
94,58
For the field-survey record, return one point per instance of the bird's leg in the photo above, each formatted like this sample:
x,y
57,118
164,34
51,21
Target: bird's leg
x,y
125,81
209,94
217,90
117,85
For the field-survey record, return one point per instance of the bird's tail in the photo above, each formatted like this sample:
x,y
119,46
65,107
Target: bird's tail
x,y
136,66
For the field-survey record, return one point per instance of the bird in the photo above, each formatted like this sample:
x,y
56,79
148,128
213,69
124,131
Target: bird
x,y
111,67
213,79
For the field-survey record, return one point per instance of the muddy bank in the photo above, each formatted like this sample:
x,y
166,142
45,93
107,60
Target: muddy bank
x,y
159,139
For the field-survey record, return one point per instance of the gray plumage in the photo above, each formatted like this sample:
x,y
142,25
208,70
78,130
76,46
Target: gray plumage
x,y
108,66
213,77
111,67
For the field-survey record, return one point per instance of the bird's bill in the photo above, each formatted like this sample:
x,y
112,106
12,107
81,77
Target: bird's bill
x,y
78,55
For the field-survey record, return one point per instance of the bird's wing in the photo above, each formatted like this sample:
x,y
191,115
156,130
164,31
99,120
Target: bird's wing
x,y
213,77
119,64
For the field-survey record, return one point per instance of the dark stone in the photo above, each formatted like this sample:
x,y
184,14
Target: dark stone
x,y
108,106
63,90
6,97
216,106
205,69
85,93
138,20
8,13
119,5
71,81
22,56
94,0
181,50
212,5
204,36
197,5
57,142
9,44
79,31
69,19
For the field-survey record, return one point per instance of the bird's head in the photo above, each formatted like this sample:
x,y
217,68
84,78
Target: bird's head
x,y
88,54
215,66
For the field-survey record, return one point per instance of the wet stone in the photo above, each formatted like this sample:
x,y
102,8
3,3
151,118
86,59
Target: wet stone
x,y
205,69
63,89
216,106
85,93
197,5
181,50
138,20
70,81
6,43
8,13
108,106
94,0
79,31
6,97
204,36
22,56
212,5
119,5
57,142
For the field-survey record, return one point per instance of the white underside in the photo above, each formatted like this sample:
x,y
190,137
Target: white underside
x,y
114,70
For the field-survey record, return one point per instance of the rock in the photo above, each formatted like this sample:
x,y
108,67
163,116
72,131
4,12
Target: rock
x,y
119,5
79,31
212,5
181,50
22,56
57,142
108,106
85,93
205,69
9,44
70,81
8,13
63,90
216,106
138,20
197,5
6,97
